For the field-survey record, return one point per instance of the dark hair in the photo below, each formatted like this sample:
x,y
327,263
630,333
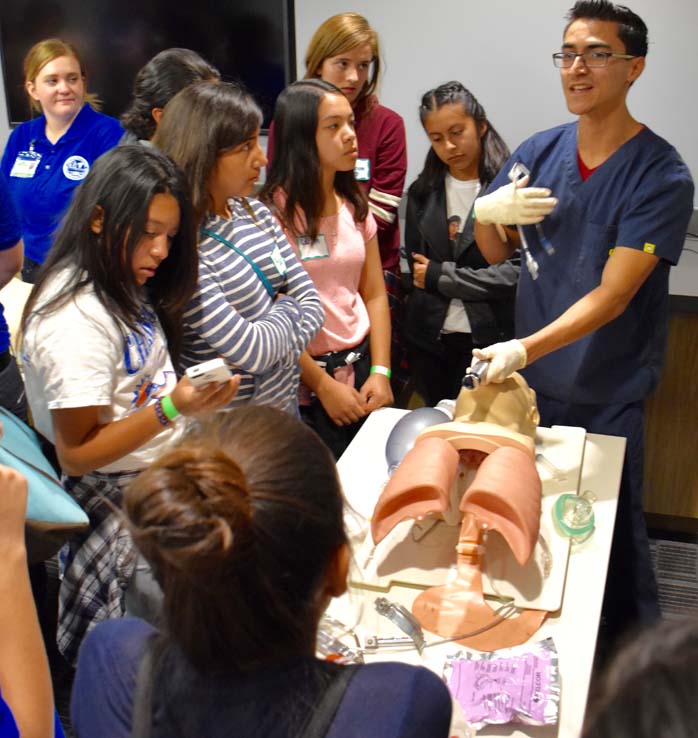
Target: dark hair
x,y
296,165
454,219
200,123
158,82
121,185
240,529
649,691
632,30
494,151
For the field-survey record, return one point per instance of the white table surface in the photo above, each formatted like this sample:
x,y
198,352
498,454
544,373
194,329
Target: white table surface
x,y
363,472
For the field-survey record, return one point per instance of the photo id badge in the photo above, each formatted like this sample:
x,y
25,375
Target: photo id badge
x,y
26,164
316,249
362,170
278,261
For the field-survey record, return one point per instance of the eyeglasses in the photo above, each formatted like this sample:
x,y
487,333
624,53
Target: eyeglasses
x,y
566,59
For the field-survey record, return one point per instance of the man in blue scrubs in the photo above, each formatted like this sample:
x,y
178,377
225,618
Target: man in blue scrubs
x,y
592,326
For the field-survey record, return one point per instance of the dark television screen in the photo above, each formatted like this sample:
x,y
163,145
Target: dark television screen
x,y
250,41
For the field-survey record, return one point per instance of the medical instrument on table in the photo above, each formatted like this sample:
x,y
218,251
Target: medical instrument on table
x,y
404,620
329,645
559,475
475,375
574,516
373,642
516,173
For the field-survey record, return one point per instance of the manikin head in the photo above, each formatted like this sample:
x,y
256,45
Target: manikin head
x,y
510,404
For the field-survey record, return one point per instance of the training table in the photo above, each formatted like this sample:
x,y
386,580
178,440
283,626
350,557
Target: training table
x,y
363,472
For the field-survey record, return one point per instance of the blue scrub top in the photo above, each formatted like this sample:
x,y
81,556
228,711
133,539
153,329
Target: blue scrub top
x,y
10,234
639,198
43,198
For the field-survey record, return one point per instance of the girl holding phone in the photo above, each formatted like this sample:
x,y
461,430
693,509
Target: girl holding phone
x,y
98,329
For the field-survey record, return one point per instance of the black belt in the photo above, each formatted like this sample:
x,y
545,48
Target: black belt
x,y
347,357
5,359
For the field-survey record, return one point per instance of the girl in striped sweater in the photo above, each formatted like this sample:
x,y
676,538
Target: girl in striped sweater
x,y
254,304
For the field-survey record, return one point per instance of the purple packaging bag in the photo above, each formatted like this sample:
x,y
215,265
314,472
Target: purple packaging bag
x,y
513,685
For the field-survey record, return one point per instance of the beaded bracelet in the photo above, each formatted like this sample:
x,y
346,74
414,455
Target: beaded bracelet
x,y
160,412
378,369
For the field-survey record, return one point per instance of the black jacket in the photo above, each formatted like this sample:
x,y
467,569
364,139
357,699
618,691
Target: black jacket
x,y
455,271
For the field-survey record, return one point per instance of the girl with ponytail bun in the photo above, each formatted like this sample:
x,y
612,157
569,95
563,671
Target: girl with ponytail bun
x,y
242,524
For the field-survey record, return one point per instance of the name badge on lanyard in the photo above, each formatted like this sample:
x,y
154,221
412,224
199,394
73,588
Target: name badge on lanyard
x,y
309,249
278,261
26,164
362,170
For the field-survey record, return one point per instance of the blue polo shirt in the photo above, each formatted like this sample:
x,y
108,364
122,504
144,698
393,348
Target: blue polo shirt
x,y
10,234
8,726
42,175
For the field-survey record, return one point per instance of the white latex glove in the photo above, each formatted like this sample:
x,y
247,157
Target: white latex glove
x,y
504,359
515,204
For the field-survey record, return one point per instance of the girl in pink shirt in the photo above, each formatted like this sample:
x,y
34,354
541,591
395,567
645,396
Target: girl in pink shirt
x,y
311,184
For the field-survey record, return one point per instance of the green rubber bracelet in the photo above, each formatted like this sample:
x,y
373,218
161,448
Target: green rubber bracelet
x,y
169,409
378,369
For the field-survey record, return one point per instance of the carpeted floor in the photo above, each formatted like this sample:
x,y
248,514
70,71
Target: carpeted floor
x,y
675,562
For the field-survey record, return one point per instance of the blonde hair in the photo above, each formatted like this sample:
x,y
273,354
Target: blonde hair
x,y
337,35
44,52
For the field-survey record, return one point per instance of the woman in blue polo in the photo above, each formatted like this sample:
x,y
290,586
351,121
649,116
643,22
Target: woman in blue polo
x,y
47,157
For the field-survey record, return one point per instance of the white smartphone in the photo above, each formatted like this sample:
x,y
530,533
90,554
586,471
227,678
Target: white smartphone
x,y
215,370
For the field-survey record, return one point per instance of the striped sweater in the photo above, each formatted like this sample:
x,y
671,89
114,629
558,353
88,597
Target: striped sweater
x,y
233,316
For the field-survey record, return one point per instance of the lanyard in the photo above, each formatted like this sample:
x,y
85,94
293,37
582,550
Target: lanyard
x,y
257,270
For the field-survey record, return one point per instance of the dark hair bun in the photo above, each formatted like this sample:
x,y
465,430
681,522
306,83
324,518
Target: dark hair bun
x,y
190,510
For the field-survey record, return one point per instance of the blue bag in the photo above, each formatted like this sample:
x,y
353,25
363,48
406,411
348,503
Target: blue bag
x,y
52,514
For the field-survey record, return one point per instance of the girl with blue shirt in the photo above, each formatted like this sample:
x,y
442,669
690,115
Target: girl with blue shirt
x,y
46,158
247,540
